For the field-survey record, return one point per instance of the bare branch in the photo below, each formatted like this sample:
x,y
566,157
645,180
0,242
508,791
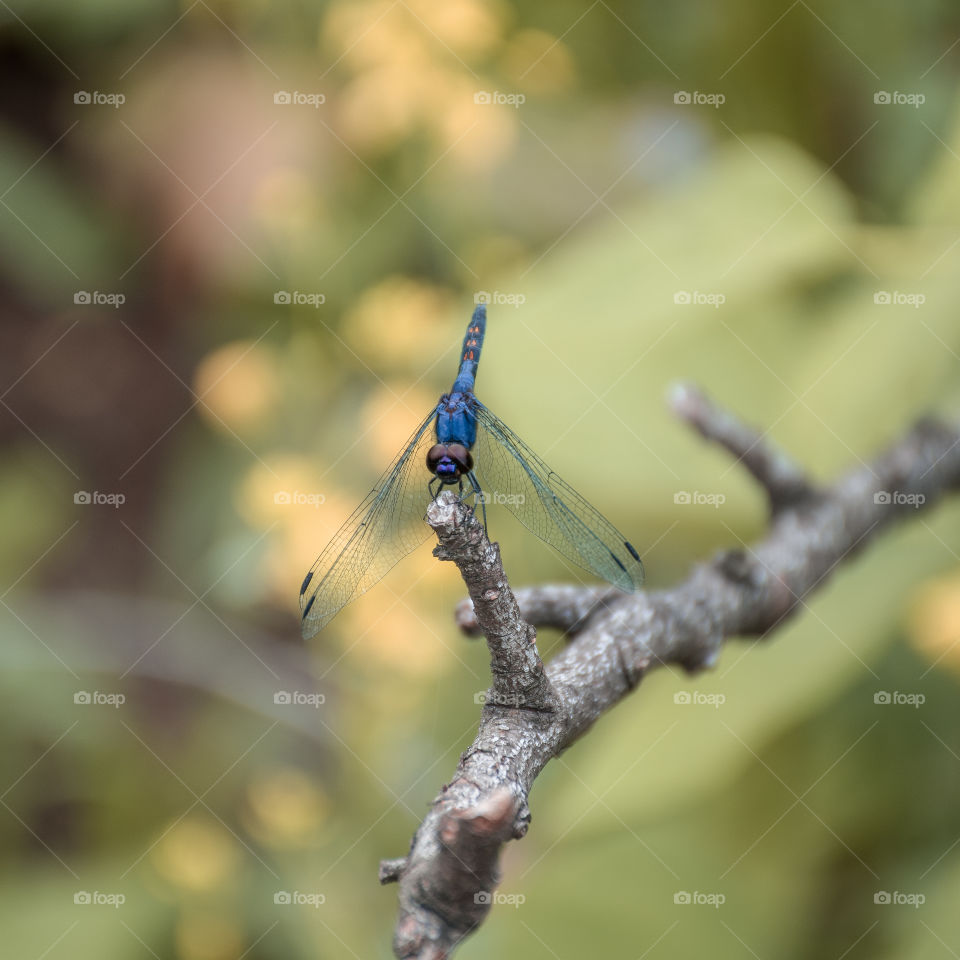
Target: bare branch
x,y
562,606
534,713
518,675
783,480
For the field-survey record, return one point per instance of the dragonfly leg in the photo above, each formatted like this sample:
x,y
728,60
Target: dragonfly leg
x,y
478,498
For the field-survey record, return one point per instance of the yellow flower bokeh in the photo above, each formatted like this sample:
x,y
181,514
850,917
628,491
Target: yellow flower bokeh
x,y
934,622
538,62
411,67
238,385
197,855
401,322
207,935
285,807
288,201
390,415
395,629
299,502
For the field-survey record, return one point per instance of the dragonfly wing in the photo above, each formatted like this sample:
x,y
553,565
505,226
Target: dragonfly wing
x,y
511,473
386,527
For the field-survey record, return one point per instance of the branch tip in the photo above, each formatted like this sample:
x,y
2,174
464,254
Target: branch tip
x,y
785,483
390,870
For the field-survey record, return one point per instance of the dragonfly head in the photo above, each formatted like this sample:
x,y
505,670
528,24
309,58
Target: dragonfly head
x,y
449,461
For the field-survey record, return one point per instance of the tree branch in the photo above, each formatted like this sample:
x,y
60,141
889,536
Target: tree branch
x,y
534,712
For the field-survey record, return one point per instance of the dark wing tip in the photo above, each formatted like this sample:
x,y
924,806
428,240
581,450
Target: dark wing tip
x,y
637,574
306,582
308,629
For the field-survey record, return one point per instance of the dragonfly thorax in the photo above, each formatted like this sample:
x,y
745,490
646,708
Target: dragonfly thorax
x,y
449,462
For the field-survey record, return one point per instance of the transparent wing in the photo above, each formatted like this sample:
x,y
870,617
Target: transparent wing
x,y
509,472
386,527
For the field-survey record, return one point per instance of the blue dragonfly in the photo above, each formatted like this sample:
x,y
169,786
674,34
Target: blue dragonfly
x,y
460,439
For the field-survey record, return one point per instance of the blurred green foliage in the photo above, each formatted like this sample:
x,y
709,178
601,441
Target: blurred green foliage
x,y
592,212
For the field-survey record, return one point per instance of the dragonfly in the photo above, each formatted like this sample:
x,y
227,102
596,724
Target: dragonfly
x,y
460,443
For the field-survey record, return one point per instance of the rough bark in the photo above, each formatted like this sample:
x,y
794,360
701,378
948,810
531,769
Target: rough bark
x,y
533,711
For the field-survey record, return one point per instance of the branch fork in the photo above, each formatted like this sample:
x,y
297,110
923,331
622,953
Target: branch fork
x,y
534,711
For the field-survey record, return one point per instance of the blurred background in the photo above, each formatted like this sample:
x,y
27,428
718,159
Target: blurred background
x,y
240,243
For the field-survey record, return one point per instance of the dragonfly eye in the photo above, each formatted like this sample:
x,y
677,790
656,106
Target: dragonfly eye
x,y
449,462
435,455
461,456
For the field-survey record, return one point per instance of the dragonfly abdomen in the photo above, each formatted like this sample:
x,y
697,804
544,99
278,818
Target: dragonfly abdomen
x,y
470,354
